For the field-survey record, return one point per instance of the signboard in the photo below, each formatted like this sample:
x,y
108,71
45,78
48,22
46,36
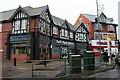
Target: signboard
x,y
61,42
19,37
112,37
102,43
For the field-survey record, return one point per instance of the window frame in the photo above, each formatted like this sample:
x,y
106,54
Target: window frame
x,y
17,23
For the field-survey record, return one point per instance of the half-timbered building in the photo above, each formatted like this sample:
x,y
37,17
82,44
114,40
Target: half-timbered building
x,y
81,38
28,32
33,33
63,39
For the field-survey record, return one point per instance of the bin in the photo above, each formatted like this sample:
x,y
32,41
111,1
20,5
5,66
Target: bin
x,y
89,62
91,56
86,60
75,63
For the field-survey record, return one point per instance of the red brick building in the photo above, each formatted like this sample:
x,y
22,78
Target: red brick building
x,y
19,28
107,30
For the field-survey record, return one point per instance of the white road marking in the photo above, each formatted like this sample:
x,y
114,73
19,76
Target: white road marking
x,y
95,74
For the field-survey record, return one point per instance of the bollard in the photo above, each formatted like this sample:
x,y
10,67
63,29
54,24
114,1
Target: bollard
x,y
44,61
14,61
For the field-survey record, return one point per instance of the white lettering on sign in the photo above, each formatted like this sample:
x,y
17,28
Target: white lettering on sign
x,y
64,42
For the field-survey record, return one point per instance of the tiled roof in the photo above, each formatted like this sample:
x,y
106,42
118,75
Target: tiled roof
x,y
90,17
76,26
57,21
5,15
60,22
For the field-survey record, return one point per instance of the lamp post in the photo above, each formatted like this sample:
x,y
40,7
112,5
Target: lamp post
x,y
98,29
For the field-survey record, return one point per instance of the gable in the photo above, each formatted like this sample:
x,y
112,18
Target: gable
x,y
19,13
81,29
45,15
102,18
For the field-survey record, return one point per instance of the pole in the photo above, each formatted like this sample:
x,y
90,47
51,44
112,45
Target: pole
x,y
108,46
28,60
98,30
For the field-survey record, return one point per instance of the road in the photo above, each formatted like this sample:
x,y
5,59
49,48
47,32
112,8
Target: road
x,y
113,74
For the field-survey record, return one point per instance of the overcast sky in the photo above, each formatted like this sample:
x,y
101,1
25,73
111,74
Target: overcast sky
x,y
66,9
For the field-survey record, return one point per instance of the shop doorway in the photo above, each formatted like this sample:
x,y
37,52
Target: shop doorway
x,y
64,52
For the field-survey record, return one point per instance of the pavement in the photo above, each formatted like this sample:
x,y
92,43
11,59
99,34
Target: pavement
x,y
53,69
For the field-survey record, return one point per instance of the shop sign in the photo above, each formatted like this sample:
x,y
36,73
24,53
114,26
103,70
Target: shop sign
x,y
102,43
64,42
19,37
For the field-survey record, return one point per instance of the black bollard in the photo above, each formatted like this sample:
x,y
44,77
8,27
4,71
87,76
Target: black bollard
x,y
14,61
44,61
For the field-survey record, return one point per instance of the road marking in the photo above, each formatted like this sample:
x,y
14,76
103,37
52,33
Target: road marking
x,y
95,74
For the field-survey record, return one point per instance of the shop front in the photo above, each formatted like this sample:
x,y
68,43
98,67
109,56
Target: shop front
x,y
43,47
17,46
97,47
62,48
80,47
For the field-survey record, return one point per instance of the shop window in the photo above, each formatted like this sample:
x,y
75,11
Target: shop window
x,y
13,50
71,51
56,50
22,50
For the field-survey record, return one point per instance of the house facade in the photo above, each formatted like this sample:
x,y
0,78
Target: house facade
x,y
98,35
33,33
81,38
24,32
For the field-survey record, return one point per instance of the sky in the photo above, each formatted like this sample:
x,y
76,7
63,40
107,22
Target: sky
x,y
67,9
